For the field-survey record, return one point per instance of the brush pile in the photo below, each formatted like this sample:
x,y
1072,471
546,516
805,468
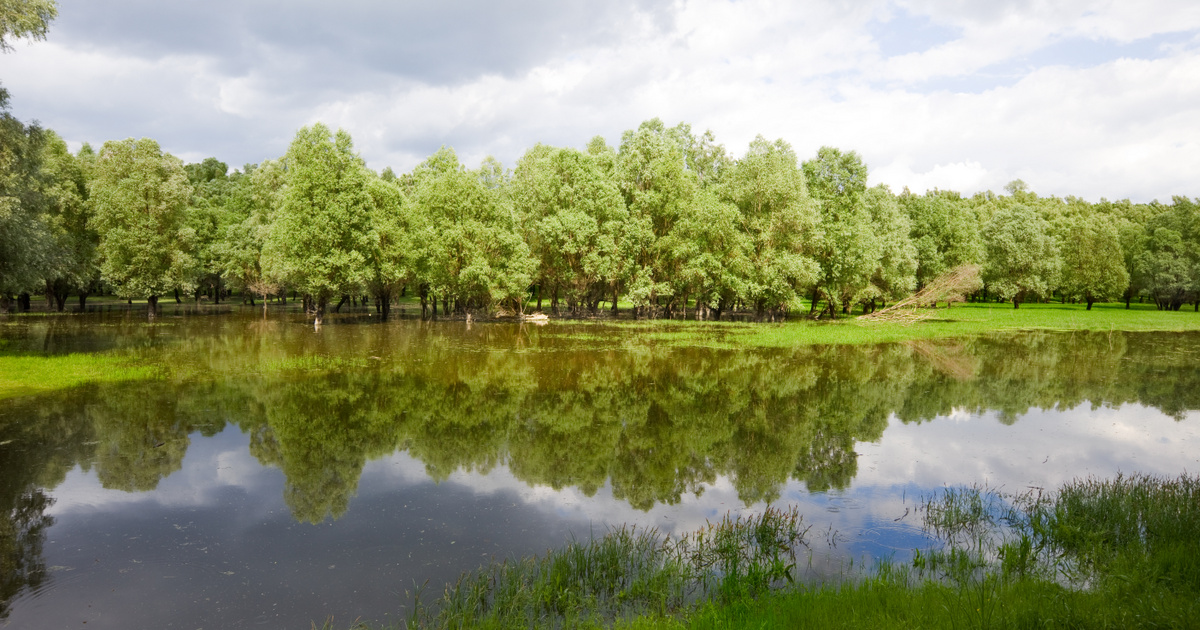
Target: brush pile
x,y
952,286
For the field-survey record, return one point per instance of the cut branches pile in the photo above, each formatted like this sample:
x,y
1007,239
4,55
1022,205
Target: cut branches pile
x,y
952,286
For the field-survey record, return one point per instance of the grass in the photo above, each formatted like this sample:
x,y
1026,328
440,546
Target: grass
x,y
1117,553
963,320
22,375
624,575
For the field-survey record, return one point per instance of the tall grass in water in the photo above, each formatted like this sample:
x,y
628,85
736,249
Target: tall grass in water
x,y
1116,553
1096,553
625,574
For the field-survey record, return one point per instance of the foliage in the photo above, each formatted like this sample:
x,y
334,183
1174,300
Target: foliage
x,y
1022,255
25,18
321,235
1093,263
139,197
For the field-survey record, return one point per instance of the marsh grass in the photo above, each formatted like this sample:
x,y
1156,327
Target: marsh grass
x,y
1115,553
627,574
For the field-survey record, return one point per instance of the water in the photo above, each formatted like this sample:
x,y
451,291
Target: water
x,y
274,475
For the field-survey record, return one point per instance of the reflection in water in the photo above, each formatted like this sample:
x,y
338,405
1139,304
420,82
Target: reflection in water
x,y
650,424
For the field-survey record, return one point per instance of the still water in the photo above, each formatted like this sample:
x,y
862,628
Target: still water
x,y
271,475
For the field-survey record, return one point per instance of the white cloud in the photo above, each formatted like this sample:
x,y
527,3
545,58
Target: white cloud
x,y
968,113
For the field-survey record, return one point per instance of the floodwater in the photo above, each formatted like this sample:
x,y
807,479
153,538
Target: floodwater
x,y
272,475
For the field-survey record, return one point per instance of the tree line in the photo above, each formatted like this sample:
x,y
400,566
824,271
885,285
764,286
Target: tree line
x,y
668,222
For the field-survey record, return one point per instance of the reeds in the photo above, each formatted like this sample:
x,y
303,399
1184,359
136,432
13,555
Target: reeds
x,y
626,573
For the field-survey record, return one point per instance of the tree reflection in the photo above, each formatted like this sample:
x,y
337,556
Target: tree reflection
x,y
654,424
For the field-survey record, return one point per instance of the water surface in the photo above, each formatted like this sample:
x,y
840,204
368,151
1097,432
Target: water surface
x,y
273,475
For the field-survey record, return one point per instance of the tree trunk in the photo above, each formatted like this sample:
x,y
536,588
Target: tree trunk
x,y
1089,302
338,308
83,296
5,303
152,306
319,312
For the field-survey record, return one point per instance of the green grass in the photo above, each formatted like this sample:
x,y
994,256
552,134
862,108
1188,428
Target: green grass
x,y
22,375
963,320
1118,553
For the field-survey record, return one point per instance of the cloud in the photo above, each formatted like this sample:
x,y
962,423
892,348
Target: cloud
x,y
1074,97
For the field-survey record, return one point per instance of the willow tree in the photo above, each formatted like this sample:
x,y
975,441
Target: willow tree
x,y
944,231
658,188
321,236
779,221
1093,263
847,247
571,213
26,241
394,258
25,18
74,265
1022,255
474,254
139,198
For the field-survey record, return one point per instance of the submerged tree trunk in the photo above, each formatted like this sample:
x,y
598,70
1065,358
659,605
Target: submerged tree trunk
x,y
83,296
152,306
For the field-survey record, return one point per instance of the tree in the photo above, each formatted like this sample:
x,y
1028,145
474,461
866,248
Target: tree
x,y
394,257
571,213
847,246
658,188
1022,256
1093,263
25,18
321,236
210,216
779,221
944,232
27,244
895,275
139,199
474,255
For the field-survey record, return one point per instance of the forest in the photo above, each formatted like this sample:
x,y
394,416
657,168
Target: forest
x,y
669,222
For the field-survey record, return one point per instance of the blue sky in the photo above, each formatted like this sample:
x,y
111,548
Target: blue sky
x,y
1094,99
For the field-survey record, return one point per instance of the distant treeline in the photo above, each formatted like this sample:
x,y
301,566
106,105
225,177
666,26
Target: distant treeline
x,y
669,222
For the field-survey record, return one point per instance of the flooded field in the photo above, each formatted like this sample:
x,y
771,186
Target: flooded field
x,y
262,472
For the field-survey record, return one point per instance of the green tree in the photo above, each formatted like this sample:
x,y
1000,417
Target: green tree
x,y
210,216
571,212
74,263
476,257
847,246
778,219
895,276
1093,263
651,170
321,236
139,200
25,18
27,243
395,257
1022,256
944,232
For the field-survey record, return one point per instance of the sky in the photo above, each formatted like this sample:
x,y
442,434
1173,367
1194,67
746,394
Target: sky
x,y
1084,98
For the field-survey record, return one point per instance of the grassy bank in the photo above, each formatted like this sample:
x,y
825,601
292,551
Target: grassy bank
x,y
1119,553
23,375
963,320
